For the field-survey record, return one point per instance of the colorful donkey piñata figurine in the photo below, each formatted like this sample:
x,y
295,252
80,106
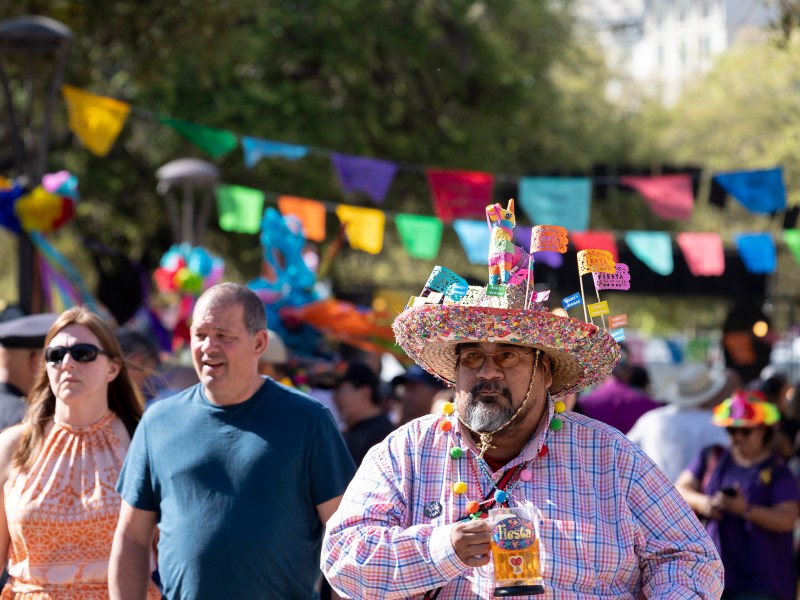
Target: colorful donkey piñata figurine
x,y
503,254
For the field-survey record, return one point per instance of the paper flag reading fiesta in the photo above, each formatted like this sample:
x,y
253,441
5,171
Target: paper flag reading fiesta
x,y
549,238
593,260
619,280
96,120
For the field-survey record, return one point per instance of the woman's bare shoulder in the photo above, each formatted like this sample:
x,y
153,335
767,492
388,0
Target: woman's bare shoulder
x,y
9,440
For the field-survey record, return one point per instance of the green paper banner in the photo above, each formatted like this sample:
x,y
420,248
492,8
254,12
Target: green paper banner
x,y
215,142
421,235
240,208
792,239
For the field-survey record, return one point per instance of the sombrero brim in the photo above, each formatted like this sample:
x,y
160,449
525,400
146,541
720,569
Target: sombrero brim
x,y
580,353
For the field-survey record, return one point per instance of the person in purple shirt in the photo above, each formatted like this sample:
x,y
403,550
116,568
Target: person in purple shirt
x,y
616,401
748,499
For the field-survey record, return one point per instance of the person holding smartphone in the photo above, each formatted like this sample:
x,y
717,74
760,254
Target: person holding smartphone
x,y
748,499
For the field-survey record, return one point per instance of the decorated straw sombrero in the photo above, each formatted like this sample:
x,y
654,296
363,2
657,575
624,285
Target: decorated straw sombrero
x,y
745,409
450,312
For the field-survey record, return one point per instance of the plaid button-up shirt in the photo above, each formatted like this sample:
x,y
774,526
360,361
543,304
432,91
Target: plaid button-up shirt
x,y
612,525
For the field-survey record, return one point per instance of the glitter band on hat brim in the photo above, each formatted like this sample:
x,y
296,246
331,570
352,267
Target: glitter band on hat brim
x,y
580,353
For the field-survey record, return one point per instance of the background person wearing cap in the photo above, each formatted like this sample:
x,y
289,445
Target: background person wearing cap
x,y
415,391
21,347
674,434
412,523
357,398
749,500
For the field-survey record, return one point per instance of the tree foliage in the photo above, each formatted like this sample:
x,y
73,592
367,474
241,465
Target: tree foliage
x,y
504,87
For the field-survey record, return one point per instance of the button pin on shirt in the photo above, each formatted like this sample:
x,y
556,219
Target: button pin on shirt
x,y
432,509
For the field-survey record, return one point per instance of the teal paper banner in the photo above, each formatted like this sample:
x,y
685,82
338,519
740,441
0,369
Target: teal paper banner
x,y
474,237
560,201
653,248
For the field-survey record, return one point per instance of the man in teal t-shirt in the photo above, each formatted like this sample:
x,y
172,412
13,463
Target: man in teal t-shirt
x,y
239,473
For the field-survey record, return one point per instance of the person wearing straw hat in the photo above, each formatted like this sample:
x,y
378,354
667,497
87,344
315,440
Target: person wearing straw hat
x,y
674,434
748,499
412,523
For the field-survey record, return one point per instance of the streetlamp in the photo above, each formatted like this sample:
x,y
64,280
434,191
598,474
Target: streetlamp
x,y
33,52
189,175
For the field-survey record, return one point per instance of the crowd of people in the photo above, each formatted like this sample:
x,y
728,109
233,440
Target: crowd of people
x,y
128,476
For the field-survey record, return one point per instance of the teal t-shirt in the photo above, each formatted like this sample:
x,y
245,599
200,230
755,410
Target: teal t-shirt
x,y
236,490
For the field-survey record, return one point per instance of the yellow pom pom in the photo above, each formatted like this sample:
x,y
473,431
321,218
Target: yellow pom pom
x,y
459,487
560,407
447,408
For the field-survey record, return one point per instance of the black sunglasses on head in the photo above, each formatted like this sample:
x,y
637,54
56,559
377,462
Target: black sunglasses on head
x,y
82,353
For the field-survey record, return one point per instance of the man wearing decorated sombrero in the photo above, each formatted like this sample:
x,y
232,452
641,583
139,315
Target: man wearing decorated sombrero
x,y
603,522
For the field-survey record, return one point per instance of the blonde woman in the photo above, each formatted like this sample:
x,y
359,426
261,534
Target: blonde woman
x,y
59,467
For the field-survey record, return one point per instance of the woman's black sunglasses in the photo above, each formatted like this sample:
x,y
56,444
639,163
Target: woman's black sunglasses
x,y
82,353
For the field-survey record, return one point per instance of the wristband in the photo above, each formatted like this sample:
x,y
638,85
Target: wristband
x,y
746,512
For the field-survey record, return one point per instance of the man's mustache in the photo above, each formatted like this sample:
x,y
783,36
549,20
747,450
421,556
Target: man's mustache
x,y
490,387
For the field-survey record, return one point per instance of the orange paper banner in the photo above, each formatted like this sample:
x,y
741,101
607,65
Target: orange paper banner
x,y
596,261
549,238
310,212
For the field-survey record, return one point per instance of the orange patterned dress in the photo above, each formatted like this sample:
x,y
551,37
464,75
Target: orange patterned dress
x,y
62,514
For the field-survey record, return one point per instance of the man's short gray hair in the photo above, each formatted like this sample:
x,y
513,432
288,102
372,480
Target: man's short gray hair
x,y
255,318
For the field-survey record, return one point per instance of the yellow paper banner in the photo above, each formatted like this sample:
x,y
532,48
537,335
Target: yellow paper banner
x,y
598,308
596,261
96,120
363,227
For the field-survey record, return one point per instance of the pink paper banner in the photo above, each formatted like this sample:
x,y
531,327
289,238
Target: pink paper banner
x,y
621,280
703,253
601,240
669,196
460,194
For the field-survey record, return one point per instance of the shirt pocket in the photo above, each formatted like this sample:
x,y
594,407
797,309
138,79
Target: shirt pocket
x,y
566,557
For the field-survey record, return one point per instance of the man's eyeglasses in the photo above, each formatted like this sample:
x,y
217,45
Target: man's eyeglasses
x,y
82,353
745,431
472,358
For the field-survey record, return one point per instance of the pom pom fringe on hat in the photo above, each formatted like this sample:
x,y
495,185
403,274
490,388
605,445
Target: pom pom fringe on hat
x,y
745,409
449,312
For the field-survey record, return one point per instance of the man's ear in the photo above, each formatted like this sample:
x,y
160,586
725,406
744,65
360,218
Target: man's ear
x,y
262,341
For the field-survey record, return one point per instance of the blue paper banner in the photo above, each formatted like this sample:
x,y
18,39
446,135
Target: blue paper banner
x,y
560,201
758,191
653,248
757,251
618,334
571,301
256,149
474,237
